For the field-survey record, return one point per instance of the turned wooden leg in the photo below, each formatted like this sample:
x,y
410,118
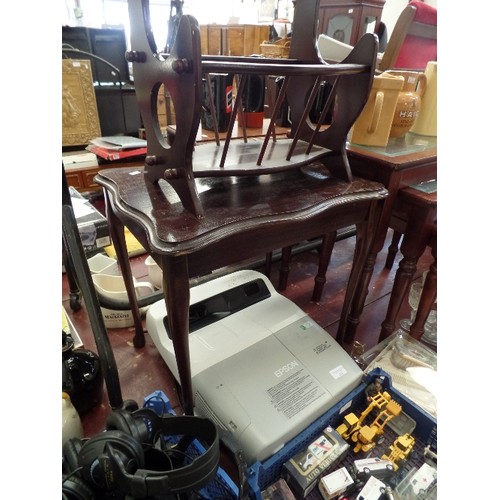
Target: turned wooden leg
x,y
400,288
365,254
286,257
324,259
428,297
420,221
393,249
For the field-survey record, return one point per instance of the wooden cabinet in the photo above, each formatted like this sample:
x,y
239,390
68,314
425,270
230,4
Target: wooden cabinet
x,y
81,176
233,39
348,21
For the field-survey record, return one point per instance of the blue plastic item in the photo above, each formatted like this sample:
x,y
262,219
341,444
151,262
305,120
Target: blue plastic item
x,y
222,487
263,474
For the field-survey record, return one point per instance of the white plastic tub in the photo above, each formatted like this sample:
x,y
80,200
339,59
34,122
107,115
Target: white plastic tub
x,y
114,288
102,264
154,272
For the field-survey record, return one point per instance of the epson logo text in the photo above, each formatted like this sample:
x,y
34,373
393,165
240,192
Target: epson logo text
x,y
286,368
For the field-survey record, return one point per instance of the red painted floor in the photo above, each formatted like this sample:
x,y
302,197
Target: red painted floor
x,y
142,371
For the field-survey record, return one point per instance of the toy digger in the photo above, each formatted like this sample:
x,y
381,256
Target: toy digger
x,y
364,436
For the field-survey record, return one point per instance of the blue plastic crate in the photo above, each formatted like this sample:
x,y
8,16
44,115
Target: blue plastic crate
x,y
221,487
263,474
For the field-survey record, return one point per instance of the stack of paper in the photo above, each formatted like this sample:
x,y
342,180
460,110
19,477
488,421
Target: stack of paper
x,y
117,147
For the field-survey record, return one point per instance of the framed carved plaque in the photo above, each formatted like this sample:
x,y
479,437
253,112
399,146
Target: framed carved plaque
x,y
80,119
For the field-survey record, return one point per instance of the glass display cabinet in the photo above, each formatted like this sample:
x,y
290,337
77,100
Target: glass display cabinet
x,y
348,21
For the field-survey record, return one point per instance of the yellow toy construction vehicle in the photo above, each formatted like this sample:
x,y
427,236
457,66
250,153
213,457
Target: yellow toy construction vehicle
x,y
399,450
364,436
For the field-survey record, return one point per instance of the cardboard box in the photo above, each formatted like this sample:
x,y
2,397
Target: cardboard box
x,y
374,489
303,471
92,225
335,483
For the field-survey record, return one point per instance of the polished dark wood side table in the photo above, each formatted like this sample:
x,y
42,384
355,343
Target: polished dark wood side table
x,y
243,217
414,216
409,160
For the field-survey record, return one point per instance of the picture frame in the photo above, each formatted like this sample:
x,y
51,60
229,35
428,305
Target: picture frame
x,y
266,10
80,118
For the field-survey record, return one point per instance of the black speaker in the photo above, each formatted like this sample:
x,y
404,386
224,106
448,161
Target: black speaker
x,y
319,104
254,93
252,101
106,43
142,455
110,44
283,117
118,111
221,86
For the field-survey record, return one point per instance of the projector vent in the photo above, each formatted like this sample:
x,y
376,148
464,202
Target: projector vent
x,y
202,408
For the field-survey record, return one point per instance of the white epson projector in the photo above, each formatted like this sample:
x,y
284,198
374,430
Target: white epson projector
x,y
262,369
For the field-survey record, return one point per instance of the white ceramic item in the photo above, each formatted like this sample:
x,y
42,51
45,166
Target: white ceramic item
x,y
71,423
154,272
114,288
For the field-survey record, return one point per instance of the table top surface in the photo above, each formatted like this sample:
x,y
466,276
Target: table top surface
x,y
231,204
413,194
399,151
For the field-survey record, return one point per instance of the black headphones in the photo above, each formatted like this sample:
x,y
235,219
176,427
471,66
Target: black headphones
x,y
143,455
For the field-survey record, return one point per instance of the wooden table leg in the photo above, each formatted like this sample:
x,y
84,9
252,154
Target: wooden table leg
x,y
286,257
428,297
348,325
325,255
393,249
412,247
400,288
117,231
177,293
359,278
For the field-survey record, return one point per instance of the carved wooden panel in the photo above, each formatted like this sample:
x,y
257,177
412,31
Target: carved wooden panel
x,y
80,119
